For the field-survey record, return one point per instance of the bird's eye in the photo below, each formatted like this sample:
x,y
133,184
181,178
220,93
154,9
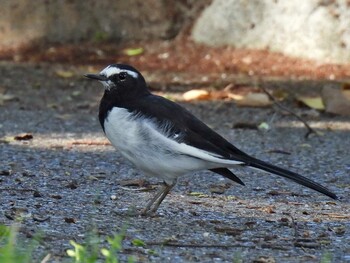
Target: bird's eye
x,y
122,75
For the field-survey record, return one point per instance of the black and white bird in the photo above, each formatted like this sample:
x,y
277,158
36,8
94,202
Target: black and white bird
x,y
163,139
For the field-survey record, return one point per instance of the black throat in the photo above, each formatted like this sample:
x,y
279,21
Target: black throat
x,y
113,98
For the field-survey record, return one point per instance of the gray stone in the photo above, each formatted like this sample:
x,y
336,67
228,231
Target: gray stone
x,y
309,29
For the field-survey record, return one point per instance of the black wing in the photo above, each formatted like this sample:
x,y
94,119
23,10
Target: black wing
x,y
195,133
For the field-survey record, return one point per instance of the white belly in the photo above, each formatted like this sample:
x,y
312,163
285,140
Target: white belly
x,y
151,150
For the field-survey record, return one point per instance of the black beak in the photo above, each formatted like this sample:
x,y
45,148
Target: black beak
x,y
96,77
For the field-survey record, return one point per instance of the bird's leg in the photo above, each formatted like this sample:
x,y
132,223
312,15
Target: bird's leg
x,y
150,203
161,198
157,199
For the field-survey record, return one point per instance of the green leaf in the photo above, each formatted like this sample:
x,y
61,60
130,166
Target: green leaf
x,y
138,243
152,252
116,241
105,252
70,253
4,231
133,51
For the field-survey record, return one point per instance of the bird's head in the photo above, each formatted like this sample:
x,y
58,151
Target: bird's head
x,y
121,78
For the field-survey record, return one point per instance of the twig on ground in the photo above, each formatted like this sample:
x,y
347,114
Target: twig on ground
x,y
295,228
91,142
310,130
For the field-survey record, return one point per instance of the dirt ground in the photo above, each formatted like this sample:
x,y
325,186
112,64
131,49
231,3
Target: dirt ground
x,y
182,55
67,179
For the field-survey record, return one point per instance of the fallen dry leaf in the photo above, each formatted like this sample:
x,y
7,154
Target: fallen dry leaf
x,y
346,90
91,142
228,230
268,209
23,137
219,94
252,100
5,172
134,182
218,189
275,193
64,74
70,220
336,99
196,94
339,216
54,196
7,139
6,97
312,102
279,94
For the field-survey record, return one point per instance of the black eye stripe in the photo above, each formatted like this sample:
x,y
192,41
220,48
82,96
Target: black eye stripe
x,y
119,76
122,75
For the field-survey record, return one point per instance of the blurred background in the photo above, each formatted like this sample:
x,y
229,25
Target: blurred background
x,y
193,44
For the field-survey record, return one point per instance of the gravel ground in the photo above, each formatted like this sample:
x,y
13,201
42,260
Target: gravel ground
x,y
67,180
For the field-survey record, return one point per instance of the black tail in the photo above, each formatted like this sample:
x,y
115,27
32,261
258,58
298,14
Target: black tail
x,y
290,175
227,173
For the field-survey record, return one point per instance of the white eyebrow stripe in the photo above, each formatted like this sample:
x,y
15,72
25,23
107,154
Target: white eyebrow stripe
x,y
110,70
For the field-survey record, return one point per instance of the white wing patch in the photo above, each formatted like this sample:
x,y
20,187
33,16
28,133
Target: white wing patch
x,y
112,70
172,141
205,155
